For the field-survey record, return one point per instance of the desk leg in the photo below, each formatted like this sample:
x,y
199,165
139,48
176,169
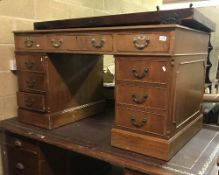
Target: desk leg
x,y
131,172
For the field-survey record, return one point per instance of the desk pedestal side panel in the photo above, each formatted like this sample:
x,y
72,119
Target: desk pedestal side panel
x,y
55,89
158,99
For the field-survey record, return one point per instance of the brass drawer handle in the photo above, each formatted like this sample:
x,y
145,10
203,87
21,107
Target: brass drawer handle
x,y
97,44
140,124
18,143
19,166
141,41
30,83
28,42
139,100
29,64
29,102
56,42
137,75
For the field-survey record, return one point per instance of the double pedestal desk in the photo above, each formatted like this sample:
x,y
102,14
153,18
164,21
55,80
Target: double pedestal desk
x,y
159,83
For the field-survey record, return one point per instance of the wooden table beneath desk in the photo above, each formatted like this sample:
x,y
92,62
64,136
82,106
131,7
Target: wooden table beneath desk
x,y
91,137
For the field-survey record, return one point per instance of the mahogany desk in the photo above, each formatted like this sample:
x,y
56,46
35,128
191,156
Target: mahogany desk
x,y
157,106
91,137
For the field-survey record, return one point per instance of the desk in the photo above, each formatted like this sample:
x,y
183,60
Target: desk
x,y
157,105
91,137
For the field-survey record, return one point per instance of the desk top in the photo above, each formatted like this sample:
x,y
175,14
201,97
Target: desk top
x,y
187,17
91,136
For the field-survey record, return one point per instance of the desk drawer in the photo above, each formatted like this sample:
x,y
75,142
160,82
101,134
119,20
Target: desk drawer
x,y
142,69
29,42
34,63
21,143
143,42
30,101
90,43
29,81
142,95
22,162
58,41
139,120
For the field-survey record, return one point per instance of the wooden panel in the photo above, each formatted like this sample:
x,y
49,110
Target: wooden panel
x,y
57,119
189,89
31,81
140,120
31,101
143,42
31,62
29,42
142,69
90,43
141,95
74,80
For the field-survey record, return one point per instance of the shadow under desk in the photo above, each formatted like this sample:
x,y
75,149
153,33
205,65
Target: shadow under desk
x,y
91,137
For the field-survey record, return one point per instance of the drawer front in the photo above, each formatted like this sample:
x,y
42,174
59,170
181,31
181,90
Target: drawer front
x,y
35,63
31,81
143,42
139,120
29,42
34,102
90,43
21,143
142,70
57,42
143,96
22,162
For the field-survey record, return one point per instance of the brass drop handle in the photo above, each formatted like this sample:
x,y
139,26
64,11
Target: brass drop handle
x,y
29,64
98,44
19,166
29,102
141,41
138,124
18,143
56,42
28,42
30,83
139,100
137,75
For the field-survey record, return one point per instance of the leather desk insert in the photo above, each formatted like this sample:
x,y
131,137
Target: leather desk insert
x,y
159,81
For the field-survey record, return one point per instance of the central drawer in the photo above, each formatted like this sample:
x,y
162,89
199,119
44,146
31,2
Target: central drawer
x,y
29,81
30,101
141,95
142,69
139,120
90,43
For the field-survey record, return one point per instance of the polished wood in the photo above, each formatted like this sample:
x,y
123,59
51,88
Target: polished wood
x,y
156,96
187,17
156,147
57,86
